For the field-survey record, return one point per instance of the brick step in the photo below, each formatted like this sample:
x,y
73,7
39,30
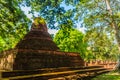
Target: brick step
x,y
41,71
84,76
54,74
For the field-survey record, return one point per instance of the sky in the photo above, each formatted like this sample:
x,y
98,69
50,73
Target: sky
x,y
51,31
26,11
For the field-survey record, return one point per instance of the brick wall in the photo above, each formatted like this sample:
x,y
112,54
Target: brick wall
x,y
7,59
37,59
106,63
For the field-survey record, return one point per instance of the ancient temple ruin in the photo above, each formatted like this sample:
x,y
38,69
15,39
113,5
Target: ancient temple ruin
x,y
36,57
37,50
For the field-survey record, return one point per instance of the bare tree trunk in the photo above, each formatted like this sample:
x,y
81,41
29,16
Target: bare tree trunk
x,y
116,30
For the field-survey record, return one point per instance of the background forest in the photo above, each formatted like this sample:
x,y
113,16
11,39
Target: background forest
x,y
99,18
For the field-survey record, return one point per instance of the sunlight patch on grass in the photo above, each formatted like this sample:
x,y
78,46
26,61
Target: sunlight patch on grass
x,y
108,76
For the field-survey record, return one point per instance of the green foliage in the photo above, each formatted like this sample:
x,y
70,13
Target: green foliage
x,y
51,10
93,14
101,44
13,23
1,44
71,40
52,36
108,76
99,31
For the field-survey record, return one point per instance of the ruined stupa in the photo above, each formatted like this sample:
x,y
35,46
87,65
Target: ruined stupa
x,y
37,50
38,38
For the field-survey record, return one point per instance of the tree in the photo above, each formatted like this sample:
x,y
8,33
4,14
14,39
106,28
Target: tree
x,y
71,40
97,13
13,21
115,26
102,45
51,10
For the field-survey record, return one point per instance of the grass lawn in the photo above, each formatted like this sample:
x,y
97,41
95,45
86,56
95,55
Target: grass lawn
x,y
108,76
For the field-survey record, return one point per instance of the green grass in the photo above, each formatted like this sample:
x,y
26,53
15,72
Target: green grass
x,y
108,76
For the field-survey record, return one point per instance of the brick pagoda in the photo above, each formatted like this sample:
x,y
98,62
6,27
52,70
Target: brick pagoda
x,y
37,50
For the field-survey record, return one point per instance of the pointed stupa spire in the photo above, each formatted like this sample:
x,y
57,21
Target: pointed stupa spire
x,y
39,24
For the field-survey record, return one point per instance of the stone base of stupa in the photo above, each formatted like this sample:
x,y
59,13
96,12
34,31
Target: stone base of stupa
x,y
37,59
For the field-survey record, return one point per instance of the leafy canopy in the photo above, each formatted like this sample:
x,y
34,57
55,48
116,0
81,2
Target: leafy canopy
x,y
13,23
71,40
100,34
52,10
101,44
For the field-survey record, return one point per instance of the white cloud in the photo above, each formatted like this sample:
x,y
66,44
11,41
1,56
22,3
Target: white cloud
x,y
52,31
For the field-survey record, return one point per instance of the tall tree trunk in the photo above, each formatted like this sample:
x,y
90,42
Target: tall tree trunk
x,y
116,30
